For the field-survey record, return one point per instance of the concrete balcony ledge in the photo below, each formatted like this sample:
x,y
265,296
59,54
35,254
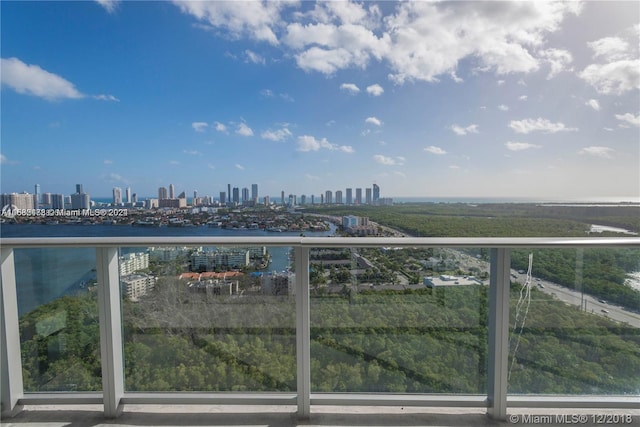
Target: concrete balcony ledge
x,y
285,416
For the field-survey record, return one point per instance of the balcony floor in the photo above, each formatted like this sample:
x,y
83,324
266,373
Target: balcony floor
x,y
273,416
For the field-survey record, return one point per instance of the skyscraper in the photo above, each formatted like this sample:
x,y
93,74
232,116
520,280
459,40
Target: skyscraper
x,y
129,195
328,198
254,192
376,193
245,195
339,197
36,197
236,195
117,196
358,196
223,197
80,200
368,196
162,193
349,196
57,201
172,191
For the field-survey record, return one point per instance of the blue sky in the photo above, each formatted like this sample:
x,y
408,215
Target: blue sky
x,y
461,99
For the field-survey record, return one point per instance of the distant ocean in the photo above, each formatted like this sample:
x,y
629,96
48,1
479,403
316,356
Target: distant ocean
x,y
45,274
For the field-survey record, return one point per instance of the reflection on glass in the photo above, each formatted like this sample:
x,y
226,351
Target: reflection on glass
x,y
398,320
208,319
59,328
575,323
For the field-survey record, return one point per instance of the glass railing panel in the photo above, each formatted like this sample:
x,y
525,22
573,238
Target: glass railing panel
x,y
208,319
58,319
575,322
392,320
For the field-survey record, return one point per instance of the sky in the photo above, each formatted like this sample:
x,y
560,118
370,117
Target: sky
x,y
426,99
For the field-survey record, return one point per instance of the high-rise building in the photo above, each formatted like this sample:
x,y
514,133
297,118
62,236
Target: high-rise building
x,y
236,195
20,201
282,201
376,193
358,200
349,196
367,196
254,192
117,196
162,193
57,201
229,193
46,199
223,197
245,195
172,191
36,197
129,195
303,200
328,197
80,200
134,198
339,197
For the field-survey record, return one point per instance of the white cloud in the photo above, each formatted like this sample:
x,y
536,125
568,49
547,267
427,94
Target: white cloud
x,y
375,90
610,48
239,166
211,166
619,68
557,59
310,143
108,162
220,127
531,125
613,78
244,130
199,126
277,135
629,118
4,160
418,40
174,162
604,152
255,19
373,121
106,98
33,80
435,150
267,93
311,177
110,5
593,103
503,107
523,97
520,146
389,161
459,130
254,57
350,87
192,152
115,177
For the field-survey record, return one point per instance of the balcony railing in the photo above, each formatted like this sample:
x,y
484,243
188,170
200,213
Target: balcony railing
x,y
322,336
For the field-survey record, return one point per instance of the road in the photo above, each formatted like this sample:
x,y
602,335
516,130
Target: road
x,y
568,296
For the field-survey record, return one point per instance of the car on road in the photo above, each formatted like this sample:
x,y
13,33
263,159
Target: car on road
x,y
604,311
602,301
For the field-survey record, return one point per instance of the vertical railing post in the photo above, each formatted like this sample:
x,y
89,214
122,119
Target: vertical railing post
x,y
110,313
498,332
12,388
303,331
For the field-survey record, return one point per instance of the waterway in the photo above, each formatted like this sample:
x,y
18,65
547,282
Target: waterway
x,y
44,274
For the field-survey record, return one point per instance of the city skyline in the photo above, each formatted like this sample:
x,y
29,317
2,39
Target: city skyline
x,y
454,99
